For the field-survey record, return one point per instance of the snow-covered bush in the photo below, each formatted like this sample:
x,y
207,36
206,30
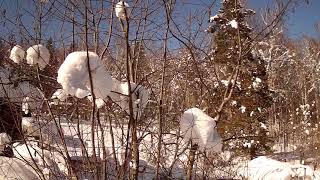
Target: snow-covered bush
x,y
120,95
200,129
122,10
17,54
5,139
38,54
32,127
31,153
73,75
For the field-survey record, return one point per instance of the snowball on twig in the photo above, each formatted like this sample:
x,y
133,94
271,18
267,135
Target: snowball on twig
x,y
122,10
17,54
38,54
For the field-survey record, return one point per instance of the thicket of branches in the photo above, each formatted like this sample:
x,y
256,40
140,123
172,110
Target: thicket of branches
x,y
172,54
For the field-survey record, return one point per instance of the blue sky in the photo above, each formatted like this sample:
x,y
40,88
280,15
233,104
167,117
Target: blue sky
x,y
301,21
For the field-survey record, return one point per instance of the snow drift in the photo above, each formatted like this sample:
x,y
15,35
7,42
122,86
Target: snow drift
x,y
200,129
74,77
266,168
17,54
38,54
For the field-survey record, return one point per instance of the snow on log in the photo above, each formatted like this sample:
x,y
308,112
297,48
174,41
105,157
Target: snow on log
x,y
38,54
17,54
122,9
199,128
74,77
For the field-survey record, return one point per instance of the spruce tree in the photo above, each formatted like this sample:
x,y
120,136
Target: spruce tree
x,y
244,117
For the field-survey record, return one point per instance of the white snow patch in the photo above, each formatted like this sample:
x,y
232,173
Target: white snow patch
x,y
242,109
266,168
60,94
17,54
38,54
214,18
233,23
256,83
25,105
262,125
200,129
74,77
4,140
122,9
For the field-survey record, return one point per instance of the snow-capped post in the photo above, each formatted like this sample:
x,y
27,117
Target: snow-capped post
x,y
199,129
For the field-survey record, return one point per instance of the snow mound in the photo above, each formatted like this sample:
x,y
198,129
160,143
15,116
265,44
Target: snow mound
x,y
5,139
122,9
33,155
200,129
17,54
120,95
74,77
38,54
13,168
266,168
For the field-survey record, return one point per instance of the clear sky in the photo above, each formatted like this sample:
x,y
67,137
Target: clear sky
x,y
301,21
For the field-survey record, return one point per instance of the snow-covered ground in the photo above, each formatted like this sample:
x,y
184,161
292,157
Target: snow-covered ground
x,y
30,159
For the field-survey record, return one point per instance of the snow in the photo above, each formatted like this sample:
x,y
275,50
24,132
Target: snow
x,y
59,94
242,109
233,23
120,95
13,168
200,129
122,9
5,139
38,54
266,168
256,83
25,105
16,94
17,54
33,127
262,125
214,18
74,77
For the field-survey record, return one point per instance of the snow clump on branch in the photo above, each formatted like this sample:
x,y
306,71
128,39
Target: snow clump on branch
x,y
17,54
38,54
122,10
74,77
120,95
200,129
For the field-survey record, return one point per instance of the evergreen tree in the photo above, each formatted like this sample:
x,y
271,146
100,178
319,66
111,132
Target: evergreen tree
x,y
244,116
